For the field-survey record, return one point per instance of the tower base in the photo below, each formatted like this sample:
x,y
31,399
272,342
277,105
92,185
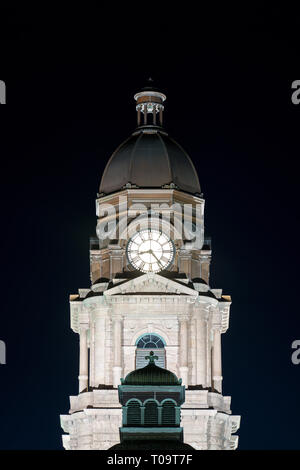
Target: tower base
x,y
95,418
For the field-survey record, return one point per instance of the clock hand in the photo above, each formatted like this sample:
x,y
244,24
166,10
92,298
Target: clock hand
x,y
159,263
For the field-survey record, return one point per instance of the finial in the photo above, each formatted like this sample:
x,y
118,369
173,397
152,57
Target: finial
x,y
151,358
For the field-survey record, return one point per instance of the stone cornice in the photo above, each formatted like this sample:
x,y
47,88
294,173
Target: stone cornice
x,y
152,192
81,311
151,282
193,399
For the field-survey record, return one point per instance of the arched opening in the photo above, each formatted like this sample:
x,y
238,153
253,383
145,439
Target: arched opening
x,y
145,344
151,414
168,413
133,413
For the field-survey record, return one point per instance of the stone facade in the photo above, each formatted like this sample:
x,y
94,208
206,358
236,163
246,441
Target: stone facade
x,y
189,319
176,305
95,418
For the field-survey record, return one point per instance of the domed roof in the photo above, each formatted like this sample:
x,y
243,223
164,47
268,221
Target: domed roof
x,y
149,158
151,375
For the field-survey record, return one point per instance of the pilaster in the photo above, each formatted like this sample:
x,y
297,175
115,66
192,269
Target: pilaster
x,y
83,358
117,350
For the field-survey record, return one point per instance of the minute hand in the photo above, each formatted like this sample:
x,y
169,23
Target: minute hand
x,y
156,259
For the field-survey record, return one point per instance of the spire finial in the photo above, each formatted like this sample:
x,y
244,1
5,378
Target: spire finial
x,y
151,358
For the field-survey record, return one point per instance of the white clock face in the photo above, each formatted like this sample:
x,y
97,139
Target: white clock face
x,y
150,251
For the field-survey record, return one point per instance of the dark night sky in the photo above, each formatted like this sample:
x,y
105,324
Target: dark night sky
x,y
70,86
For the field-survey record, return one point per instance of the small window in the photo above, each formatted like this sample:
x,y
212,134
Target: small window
x,y
168,413
133,414
147,343
151,414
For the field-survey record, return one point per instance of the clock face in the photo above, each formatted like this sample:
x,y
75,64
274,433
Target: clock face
x,y
150,251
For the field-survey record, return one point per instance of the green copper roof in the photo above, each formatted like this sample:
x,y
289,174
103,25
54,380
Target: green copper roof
x,y
151,375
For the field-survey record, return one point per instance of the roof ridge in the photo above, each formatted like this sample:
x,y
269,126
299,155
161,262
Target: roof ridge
x,y
167,156
188,157
132,155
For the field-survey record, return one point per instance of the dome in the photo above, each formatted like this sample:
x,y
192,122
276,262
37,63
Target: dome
x,y
149,158
151,375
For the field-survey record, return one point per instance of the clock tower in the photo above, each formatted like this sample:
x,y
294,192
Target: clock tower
x,y
150,291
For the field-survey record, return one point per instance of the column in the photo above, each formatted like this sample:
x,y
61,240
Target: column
x,y
217,362
139,117
159,414
204,267
142,415
117,350
83,359
99,354
185,262
116,261
124,415
201,350
177,415
183,348
154,115
193,351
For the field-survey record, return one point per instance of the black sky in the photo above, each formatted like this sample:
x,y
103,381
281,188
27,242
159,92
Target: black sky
x,y
70,83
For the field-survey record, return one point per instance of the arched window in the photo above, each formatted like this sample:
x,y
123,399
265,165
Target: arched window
x,y
151,414
168,413
147,343
133,413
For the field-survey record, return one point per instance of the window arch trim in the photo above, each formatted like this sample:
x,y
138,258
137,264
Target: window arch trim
x,y
150,334
169,399
134,400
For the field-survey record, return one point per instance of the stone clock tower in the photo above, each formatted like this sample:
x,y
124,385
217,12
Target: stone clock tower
x,y
149,292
